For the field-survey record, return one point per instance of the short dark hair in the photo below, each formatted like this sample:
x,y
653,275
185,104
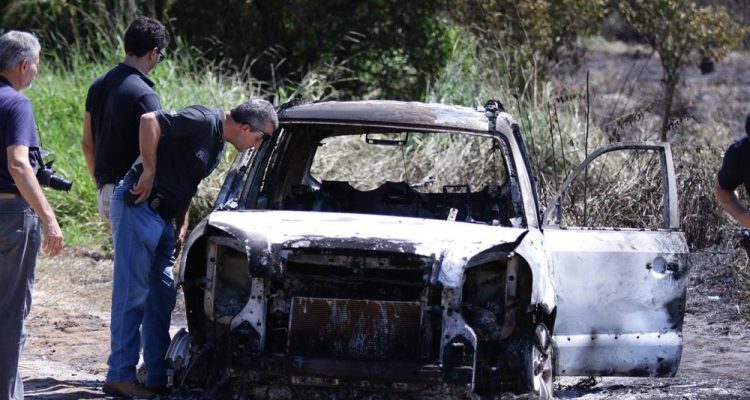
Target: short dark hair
x,y
144,34
256,113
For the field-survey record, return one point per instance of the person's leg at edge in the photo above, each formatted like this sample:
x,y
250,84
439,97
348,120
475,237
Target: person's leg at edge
x,y
136,236
158,312
19,245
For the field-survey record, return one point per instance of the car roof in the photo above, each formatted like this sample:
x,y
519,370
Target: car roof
x,y
387,113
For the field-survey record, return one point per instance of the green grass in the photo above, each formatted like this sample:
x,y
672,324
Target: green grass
x,y
59,93
551,118
58,96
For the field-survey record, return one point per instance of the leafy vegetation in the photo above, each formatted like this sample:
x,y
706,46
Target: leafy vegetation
x,y
457,52
680,32
529,34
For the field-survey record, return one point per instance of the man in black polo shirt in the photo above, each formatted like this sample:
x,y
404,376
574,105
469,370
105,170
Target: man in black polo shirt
x,y
114,105
178,150
735,171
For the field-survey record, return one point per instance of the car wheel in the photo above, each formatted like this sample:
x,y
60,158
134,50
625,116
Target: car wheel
x,y
538,355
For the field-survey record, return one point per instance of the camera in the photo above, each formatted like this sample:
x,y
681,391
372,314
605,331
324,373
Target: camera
x,y
47,177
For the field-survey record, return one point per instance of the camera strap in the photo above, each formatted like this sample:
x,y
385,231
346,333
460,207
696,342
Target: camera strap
x,y
36,155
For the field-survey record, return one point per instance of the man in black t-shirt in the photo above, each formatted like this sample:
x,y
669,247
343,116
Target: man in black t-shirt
x,y
114,105
178,150
735,171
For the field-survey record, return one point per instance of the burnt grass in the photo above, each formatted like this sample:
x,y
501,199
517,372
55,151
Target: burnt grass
x,y
625,90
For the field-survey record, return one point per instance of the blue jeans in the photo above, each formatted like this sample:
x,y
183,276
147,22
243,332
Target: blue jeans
x,y
143,292
20,238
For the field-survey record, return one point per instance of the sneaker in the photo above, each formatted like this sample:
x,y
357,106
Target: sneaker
x,y
127,390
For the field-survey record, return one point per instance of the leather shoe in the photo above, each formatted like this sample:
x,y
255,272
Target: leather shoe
x,y
127,390
160,390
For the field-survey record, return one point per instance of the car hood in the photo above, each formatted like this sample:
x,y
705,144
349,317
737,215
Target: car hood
x,y
452,243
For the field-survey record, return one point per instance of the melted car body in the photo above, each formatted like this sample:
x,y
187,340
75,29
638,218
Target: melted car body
x,y
393,247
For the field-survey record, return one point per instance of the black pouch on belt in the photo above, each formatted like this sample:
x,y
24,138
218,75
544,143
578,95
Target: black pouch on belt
x,y
158,203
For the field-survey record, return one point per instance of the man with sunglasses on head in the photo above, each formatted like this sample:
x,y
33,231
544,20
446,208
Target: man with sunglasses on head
x,y
114,105
178,150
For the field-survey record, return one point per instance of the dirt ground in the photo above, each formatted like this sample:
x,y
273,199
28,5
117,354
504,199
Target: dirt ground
x,y
65,355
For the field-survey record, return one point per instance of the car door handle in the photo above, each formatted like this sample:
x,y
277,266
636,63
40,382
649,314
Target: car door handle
x,y
660,265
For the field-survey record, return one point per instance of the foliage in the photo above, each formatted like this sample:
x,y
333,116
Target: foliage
x,y
333,49
680,32
531,33
63,25
392,48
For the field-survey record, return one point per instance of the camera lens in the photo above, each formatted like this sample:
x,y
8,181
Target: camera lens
x,y
60,183
47,177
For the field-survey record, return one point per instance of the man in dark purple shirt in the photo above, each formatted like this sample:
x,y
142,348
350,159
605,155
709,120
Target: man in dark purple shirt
x,y
22,204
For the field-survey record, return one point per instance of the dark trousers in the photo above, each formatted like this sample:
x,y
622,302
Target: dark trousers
x,y
19,244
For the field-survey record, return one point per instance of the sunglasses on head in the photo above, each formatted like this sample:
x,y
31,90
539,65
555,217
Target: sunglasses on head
x,y
266,136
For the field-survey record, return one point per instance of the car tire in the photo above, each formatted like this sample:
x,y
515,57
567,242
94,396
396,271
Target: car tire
x,y
538,356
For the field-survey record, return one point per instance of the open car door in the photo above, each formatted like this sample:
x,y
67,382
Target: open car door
x,y
620,281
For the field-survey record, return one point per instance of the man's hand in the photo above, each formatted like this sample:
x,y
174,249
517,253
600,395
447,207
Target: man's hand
x,y
181,235
53,238
143,188
181,222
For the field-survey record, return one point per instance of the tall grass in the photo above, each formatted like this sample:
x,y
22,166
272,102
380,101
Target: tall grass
x,y
558,135
551,121
58,97
552,117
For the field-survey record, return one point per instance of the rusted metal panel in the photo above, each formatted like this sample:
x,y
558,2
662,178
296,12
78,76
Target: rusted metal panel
x,y
195,234
210,294
388,113
630,354
533,252
355,329
454,325
254,311
451,242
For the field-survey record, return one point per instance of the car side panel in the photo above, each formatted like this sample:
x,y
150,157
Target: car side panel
x,y
621,300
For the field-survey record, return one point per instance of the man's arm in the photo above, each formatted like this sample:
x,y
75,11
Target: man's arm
x,y
87,144
25,179
148,137
731,204
181,225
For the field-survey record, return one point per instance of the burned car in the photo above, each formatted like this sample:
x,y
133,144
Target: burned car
x,y
400,248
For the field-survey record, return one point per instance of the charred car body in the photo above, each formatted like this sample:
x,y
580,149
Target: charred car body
x,y
419,276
